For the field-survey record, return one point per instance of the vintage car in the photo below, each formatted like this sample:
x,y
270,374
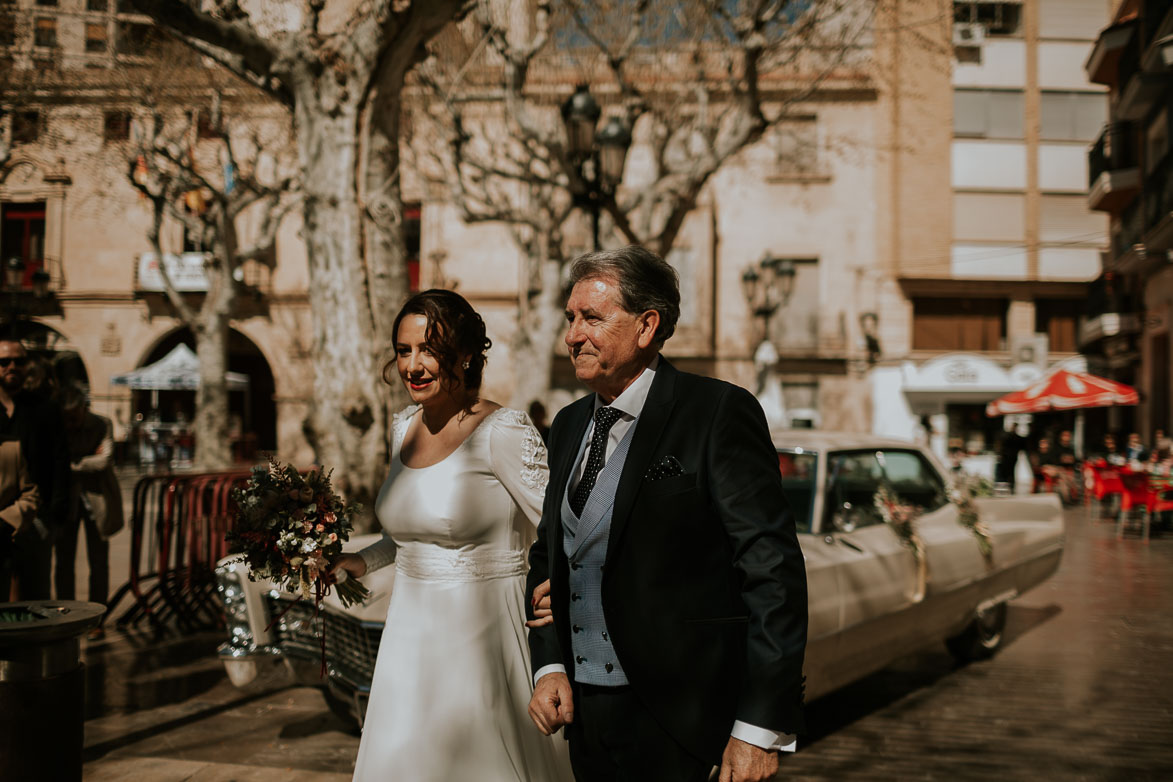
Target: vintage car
x,y
870,599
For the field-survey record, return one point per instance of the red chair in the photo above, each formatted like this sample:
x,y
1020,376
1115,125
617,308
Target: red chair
x,y
1135,500
1100,482
1160,495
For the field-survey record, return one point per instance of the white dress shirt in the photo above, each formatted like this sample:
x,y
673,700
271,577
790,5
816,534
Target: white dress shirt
x,y
630,404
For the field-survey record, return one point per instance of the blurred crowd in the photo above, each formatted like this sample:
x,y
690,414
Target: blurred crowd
x,y
57,479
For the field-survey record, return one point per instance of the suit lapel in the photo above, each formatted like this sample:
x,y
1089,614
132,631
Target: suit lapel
x,y
648,429
578,418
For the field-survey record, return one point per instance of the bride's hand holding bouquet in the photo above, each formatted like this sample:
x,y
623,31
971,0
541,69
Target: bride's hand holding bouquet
x,y
290,528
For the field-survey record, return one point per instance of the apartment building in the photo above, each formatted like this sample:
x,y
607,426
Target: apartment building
x,y
995,246
1126,334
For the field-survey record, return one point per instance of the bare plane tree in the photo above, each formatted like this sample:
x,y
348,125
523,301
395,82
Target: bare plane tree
x,y
339,66
207,188
696,81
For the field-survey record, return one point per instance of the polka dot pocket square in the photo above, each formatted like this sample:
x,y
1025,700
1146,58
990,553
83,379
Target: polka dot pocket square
x,y
666,467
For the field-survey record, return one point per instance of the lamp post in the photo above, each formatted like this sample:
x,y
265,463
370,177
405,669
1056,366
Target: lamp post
x,y
18,308
596,154
767,286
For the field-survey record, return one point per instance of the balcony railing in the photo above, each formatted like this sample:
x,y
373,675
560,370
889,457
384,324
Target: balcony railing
x,y
1155,15
1131,230
1158,206
1114,150
1113,175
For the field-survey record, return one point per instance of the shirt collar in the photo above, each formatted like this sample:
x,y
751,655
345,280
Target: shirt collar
x,y
631,401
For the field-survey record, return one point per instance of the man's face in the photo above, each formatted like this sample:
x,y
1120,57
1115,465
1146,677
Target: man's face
x,y
607,344
13,360
1065,438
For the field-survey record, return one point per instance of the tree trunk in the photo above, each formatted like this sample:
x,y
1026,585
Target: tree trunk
x,y
348,422
212,449
382,212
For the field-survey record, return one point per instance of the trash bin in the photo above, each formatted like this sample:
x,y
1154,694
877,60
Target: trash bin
x,y
42,688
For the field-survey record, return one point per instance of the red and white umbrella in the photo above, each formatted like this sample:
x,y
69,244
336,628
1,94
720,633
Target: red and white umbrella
x,y
1063,390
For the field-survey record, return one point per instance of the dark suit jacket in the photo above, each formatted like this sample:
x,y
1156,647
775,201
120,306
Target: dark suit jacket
x,y
704,590
37,423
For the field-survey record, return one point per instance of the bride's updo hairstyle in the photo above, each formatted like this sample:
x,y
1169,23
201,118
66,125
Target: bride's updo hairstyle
x,y
455,330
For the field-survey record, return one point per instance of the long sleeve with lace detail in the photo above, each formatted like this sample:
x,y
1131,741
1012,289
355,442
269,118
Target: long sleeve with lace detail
x,y
379,554
517,456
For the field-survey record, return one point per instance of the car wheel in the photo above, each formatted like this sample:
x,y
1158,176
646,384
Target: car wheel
x,y
981,637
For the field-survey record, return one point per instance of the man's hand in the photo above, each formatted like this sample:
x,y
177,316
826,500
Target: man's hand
x,y
541,603
552,704
744,762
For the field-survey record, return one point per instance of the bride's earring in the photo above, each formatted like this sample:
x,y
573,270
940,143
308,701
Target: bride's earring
x,y
465,365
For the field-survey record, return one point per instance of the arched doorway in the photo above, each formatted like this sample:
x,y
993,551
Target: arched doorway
x,y
55,362
253,408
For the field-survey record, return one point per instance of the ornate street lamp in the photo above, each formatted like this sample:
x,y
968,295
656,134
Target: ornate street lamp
x,y
13,273
20,306
598,155
41,280
613,140
580,112
767,286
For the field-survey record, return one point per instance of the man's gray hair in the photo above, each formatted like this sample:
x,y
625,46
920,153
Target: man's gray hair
x,y
646,282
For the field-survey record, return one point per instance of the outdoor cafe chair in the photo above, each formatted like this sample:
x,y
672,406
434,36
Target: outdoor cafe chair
x,y
1135,501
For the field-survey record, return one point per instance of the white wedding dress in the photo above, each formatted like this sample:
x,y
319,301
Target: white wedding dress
x,y
450,695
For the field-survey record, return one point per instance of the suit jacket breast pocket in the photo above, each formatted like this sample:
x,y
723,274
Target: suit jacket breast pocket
x,y
669,486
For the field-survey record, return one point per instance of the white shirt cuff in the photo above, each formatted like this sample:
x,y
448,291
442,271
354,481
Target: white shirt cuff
x,y
551,668
760,737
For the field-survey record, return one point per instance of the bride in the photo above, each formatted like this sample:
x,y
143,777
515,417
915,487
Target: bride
x,y
451,688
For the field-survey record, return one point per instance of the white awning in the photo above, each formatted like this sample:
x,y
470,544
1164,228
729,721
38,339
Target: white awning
x,y
179,370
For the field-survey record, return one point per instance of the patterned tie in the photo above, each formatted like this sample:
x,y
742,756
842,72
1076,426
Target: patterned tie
x,y
605,418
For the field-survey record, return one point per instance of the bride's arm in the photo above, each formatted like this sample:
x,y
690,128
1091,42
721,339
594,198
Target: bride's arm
x,y
517,456
379,554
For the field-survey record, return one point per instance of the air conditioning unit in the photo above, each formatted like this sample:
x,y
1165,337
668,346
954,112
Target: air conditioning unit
x,y
968,34
1030,349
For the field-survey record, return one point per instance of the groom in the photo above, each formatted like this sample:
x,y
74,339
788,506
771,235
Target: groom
x,y
677,584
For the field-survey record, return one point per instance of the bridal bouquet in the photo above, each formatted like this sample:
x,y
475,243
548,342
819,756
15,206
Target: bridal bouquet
x,y
289,528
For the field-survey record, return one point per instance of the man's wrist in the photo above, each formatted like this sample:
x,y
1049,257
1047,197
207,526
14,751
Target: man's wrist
x,y
546,670
764,738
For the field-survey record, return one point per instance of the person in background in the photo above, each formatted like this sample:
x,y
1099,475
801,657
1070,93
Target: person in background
x,y
1161,442
1109,452
1065,449
1009,446
18,503
1134,450
95,499
35,420
1044,456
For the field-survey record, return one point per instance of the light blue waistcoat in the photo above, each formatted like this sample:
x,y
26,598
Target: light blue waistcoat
x,y
585,543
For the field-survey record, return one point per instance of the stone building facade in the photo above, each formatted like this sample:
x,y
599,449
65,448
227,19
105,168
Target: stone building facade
x,y
939,208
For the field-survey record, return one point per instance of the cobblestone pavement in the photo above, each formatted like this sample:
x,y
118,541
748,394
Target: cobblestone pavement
x,y
1082,690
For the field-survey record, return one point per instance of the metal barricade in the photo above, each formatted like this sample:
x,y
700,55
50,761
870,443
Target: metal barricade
x,y
178,526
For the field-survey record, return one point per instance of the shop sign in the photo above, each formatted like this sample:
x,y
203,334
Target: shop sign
x,y
959,372
186,272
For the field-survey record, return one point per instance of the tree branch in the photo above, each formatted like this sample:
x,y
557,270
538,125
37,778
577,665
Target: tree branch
x,y
234,44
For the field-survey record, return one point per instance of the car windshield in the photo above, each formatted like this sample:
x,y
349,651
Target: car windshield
x,y
798,484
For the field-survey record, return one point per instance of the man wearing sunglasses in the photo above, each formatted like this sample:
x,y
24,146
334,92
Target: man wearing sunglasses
x,y
36,422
